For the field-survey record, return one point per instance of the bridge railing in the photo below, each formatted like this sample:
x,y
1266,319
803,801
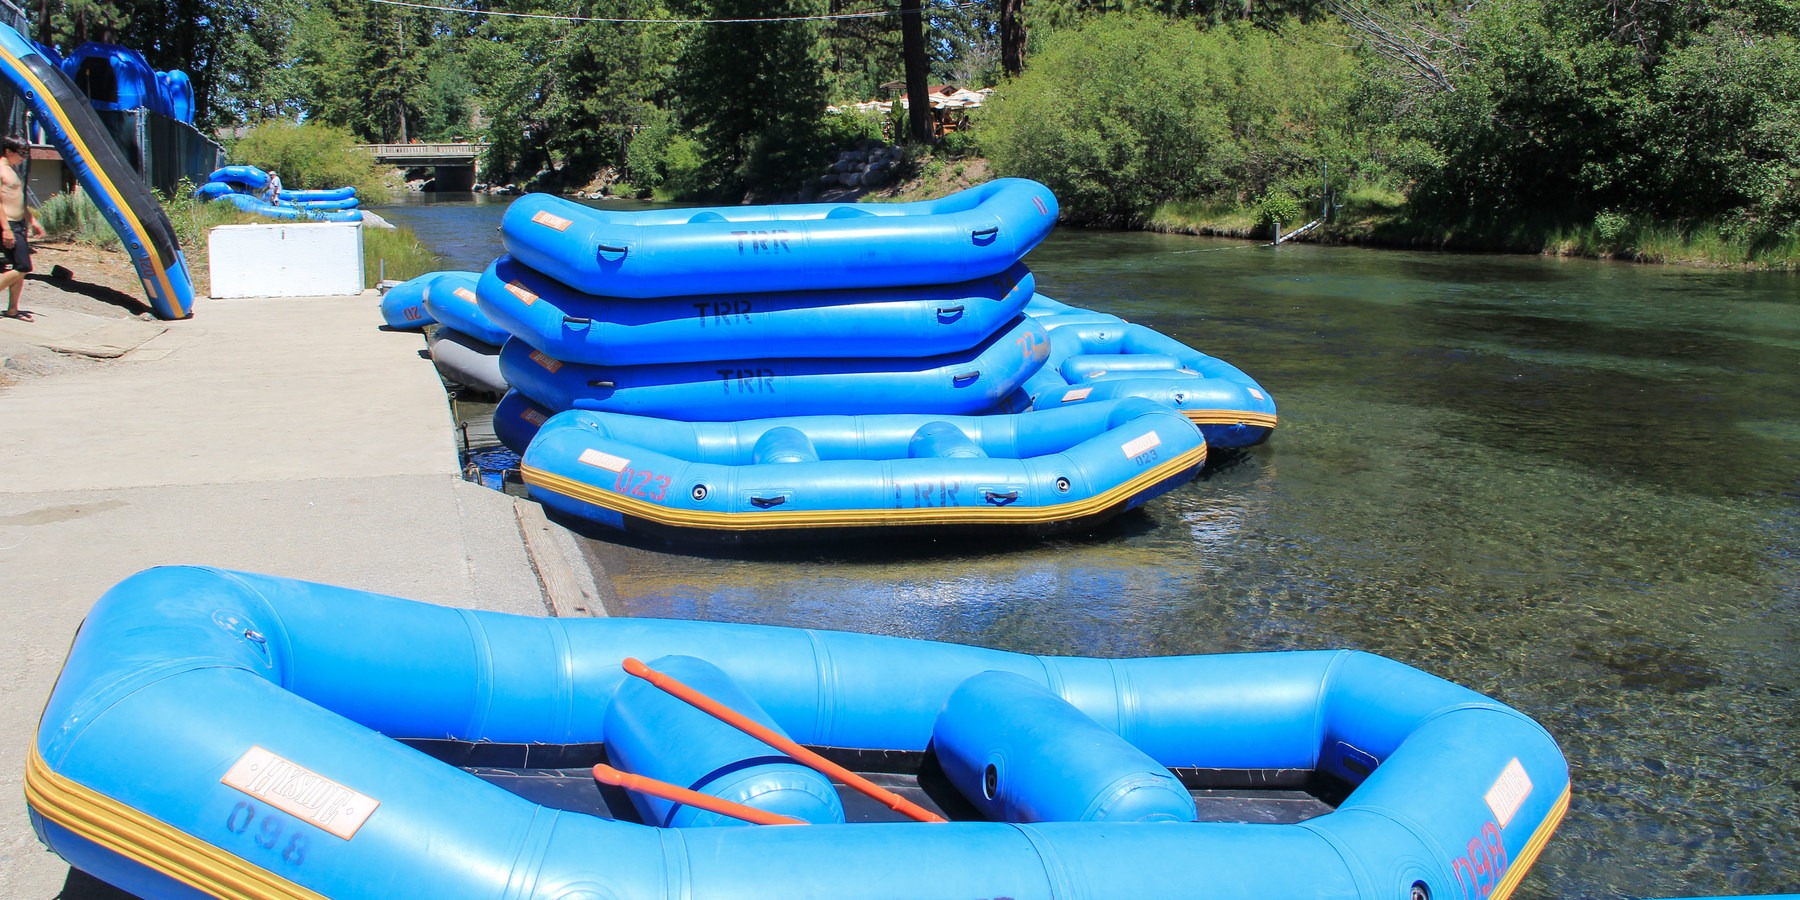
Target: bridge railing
x,y
423,151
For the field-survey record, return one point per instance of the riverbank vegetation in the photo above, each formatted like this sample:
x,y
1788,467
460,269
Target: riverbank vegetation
x,y
1642,130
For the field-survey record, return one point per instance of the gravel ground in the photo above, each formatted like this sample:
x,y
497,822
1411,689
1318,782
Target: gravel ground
x,y
99,283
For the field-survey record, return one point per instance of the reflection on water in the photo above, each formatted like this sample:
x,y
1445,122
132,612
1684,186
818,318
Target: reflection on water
x,y
1573,486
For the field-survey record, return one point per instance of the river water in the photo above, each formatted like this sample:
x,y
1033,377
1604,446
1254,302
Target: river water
x,y
1571,485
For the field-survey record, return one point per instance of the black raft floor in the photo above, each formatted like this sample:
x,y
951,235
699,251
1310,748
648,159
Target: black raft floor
x,y
560,776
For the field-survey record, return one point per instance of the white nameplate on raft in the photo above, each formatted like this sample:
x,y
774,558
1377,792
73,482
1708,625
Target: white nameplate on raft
x,y
1509,792
1140,446
602,460
549,219
522,292
301,792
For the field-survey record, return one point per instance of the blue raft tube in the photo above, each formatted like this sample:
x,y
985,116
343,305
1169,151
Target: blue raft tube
x,y
979,380
1098,356
403,305
228,734
856,476
971,234
450,300
870,322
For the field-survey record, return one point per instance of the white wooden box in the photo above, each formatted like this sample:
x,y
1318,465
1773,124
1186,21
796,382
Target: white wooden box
x,y
302,259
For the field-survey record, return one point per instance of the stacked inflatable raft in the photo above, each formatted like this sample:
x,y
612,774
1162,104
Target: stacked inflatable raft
x,y
220,733
244,186
741,372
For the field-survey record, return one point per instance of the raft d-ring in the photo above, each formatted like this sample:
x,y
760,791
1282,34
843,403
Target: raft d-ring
x,y
699,492
254,636
1062,485
1420,891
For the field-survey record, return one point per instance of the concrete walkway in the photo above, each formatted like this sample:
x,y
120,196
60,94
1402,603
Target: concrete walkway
x,y
286,436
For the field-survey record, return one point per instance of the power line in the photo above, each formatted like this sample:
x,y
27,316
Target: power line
x,y
513,15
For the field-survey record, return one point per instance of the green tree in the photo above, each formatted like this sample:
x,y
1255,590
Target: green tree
x,y
567,94
753,94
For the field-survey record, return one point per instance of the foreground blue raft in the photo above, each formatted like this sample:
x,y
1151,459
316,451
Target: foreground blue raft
x,y
840,476
227,734
971,234
917,321
1098,356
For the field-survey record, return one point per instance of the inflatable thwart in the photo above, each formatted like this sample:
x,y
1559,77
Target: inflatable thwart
x,y
843,476
222,733
967,235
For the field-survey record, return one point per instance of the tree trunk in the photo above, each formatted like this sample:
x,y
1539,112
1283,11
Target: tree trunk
x,y
918,70
1012,37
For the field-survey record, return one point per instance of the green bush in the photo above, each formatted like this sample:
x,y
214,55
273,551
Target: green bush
x,y
1279,208
71,216
313,156
664,160
1127,112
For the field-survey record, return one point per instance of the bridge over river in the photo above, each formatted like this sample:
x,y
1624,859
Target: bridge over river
x,y
456,163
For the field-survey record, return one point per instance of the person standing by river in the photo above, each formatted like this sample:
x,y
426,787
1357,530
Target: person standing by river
x,y
16,224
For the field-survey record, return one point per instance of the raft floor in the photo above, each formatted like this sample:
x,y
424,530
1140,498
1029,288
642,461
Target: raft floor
x,y
560,777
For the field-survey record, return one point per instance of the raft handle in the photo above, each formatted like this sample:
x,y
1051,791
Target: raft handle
x,y
612,248
675,688
987,232
999,499
966,377
577,320
945,312
766,502
597,383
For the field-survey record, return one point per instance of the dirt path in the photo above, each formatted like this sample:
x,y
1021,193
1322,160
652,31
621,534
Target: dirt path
x,y
97,283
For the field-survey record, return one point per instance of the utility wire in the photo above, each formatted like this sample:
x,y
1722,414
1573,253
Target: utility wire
x,y
513,15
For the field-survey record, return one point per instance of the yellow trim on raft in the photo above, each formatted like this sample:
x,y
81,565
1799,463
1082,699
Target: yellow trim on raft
x,y
1527,856
144,839
118,200
1229,417
843,518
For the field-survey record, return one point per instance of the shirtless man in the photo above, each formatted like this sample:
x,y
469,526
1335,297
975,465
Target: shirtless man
x,y
17,224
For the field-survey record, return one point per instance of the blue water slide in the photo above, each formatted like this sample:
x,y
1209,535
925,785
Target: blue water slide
x,y
867,322
217,733
970,234
115,78
109,178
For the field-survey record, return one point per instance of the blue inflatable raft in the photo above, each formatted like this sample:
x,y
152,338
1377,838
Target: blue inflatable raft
x,y
978,380
839,476
450,300
257,206
1097,356
234,735
971,234
403,305
883,322
517,419
112,182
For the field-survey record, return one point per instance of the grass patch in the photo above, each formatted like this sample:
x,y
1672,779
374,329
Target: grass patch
x,y
1210,217
397,253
